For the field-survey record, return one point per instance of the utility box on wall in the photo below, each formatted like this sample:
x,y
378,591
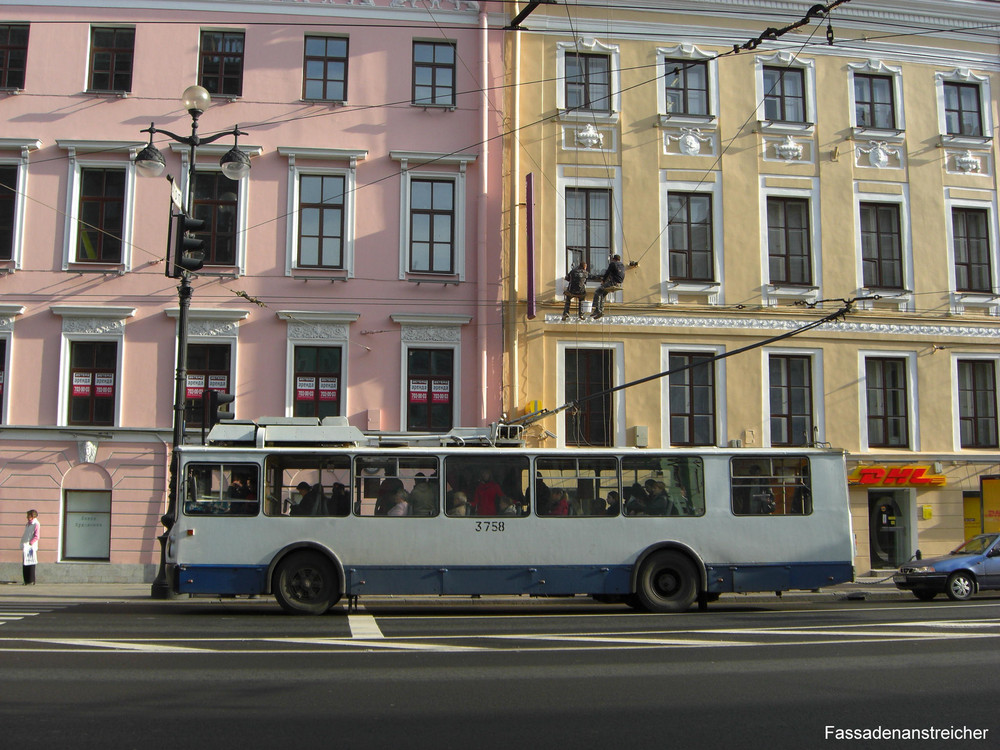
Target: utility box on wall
x,y
638,436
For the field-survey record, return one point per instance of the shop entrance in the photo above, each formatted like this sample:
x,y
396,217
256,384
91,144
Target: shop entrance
x,y
889,528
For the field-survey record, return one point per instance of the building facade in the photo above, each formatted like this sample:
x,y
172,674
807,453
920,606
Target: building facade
x,y
353,273
766,167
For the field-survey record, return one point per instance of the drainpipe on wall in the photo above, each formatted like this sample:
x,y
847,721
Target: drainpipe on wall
x,y
482,289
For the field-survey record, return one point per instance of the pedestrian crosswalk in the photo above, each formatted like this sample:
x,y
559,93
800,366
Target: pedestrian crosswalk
x,y
15,611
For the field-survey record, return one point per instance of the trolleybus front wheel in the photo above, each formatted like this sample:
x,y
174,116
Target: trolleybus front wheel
x,y
305,583
666,583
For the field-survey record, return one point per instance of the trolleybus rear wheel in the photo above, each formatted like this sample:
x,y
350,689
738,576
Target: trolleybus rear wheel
x,y
305,583
666,583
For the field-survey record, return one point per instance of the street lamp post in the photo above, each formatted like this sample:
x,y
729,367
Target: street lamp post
x,y
150,163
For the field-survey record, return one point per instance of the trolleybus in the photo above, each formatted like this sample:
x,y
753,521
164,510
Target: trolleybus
x,y
313,512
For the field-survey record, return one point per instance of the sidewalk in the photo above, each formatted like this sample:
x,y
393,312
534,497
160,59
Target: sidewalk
x,y
864,589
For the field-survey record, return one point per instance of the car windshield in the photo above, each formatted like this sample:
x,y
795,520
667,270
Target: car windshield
x,y
977,545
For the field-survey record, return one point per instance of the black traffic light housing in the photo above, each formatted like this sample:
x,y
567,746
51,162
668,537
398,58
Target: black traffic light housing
x,y
189,251
212,411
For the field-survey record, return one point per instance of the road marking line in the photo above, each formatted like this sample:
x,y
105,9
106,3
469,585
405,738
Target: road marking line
x,y
364,626
114,645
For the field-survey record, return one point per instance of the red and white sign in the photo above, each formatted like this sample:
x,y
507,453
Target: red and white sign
x,y
305,389
104,384
440,391
195,386
82,383
418,391
328,389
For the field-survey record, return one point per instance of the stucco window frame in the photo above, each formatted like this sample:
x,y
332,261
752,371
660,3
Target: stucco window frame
x,y
312,328
617,398
721,407
433,166
818,406
91,324
589,46
8,148
912,400
902,298
807,128
84,155
960,301
563,181
431,331
774,294
208,161
894,135
8,313
956,358
296,170
671,292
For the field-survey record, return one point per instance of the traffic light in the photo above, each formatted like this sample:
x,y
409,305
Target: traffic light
x,y
212,411
189,252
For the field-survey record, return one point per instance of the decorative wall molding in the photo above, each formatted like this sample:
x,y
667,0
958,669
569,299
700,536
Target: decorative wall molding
x,y
778,325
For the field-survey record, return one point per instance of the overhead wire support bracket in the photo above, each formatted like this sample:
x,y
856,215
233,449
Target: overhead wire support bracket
x,y
515,24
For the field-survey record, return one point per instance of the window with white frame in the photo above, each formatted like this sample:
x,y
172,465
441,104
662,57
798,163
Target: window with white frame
x,y
432,220
963,110
887,400
13,189
321,208
976,391
881,245
3,380
588,76
100,204
692,398
786,86
317,362
588,221
431,370
790,241
90,388
876,96
791,398
972,242
112,50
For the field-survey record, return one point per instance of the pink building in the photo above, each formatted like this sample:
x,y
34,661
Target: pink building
x,y
354,272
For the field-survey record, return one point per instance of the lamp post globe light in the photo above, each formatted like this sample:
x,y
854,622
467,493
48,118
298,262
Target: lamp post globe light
x,y
187,257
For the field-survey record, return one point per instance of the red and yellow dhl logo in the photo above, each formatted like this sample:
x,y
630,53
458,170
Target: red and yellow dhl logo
x,y
915,476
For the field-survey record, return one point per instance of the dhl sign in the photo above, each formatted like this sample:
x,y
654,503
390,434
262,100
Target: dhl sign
x,y
896,476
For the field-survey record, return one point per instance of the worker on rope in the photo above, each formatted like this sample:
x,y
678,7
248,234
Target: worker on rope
x,y
612,281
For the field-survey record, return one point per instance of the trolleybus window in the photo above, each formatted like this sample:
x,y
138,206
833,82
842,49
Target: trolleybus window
x,y
577,486
663,485
390,485
304,485
778,486
221,490
487,485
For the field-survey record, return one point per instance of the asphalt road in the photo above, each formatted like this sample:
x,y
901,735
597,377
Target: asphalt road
x,y
553,674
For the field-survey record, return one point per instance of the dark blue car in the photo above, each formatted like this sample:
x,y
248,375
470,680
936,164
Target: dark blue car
x,y
975,566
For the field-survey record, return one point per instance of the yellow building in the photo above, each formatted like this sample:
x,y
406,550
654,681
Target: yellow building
x,y
765,169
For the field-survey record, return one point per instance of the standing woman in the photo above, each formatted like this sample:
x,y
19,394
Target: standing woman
x,y
29,546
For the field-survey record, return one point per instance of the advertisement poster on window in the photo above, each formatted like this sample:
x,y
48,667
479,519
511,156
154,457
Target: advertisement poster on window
x,y
218,383
81,383
418,391
1,382
328,389
440,391
104,384
305,389
195,386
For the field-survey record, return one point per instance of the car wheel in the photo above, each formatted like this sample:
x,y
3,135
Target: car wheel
x,y
667,583
305,583
925,596
961,586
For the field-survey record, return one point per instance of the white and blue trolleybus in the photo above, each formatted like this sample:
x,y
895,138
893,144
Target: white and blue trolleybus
x,y
313,512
